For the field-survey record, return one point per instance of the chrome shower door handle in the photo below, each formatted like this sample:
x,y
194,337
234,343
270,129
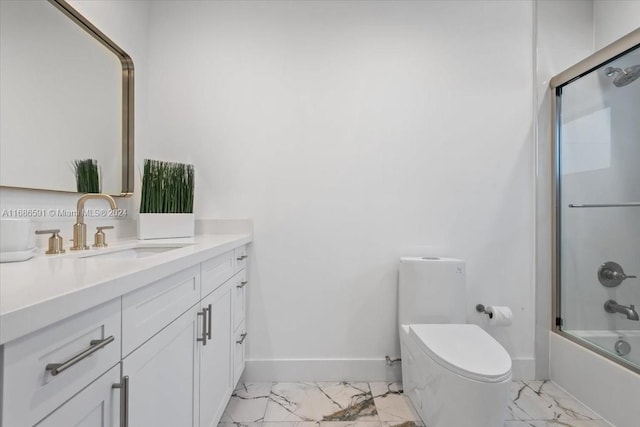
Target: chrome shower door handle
x,y
124,400
94,345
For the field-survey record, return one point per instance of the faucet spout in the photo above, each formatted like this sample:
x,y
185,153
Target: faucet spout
x,y
613,307
80,228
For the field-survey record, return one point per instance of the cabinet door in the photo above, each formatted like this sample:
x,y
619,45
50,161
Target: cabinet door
x,y
238,343
95,406
240,285
163,376
216,358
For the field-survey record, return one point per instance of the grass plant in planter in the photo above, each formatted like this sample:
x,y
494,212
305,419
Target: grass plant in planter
x,y
166,206
87,176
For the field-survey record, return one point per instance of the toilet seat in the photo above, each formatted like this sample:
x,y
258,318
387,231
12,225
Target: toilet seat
x,y
465,349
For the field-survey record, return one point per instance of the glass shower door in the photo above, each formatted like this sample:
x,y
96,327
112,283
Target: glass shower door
x,y
598,183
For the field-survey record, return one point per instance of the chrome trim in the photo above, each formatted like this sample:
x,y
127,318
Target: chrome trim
x,y
606,205
243,336
94,345
124,400
203,336
555,210
599,58
209,322
128,171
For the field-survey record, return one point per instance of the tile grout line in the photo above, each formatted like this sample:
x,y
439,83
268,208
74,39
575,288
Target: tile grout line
x,y
264,415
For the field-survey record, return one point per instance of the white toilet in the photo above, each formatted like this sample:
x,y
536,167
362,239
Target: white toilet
x,y
455,374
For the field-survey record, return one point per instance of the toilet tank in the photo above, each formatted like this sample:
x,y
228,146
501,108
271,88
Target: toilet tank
x,y
432,290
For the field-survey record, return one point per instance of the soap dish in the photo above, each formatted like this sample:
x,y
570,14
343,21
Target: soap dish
x,y
17,256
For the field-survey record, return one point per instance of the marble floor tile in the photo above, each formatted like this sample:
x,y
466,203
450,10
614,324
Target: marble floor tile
x,y
350,424
402,424
291,424
543,400
393,406
320,402
558,423
248,404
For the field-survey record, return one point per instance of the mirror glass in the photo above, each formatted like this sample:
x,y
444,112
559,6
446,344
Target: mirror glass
x,y
62,100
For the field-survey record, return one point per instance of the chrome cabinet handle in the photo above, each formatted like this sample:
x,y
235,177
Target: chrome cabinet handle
x,y
242,284
209,323
203,338
240,258
124,400
94,345
242,338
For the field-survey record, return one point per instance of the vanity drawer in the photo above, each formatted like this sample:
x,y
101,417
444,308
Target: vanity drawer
x,y
240,257
239,289
216,271
91,339
148,310
239,343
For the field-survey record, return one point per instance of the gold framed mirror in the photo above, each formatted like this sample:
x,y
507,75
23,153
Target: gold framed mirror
x,y
67,96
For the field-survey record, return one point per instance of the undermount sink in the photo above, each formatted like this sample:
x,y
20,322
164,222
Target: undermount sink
x,y
129,253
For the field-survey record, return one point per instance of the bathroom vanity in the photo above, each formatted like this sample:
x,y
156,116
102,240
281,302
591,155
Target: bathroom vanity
x,y
141,336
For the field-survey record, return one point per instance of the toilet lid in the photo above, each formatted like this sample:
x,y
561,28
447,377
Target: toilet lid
x,y
466,350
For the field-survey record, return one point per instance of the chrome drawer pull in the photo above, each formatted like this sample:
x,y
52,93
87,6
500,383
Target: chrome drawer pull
x,y
242,284
242,337
203,313
242,257
124,400
95,345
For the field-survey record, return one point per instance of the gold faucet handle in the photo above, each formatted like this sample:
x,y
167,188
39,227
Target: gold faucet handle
x,y
100,239
56,244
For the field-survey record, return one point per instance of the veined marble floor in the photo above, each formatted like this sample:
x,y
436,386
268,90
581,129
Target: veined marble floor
x,y
379,404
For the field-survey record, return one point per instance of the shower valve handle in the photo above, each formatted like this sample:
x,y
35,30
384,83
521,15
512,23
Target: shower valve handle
x,y
611,274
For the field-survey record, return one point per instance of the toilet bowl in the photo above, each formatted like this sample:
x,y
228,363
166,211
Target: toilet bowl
x,y
455,374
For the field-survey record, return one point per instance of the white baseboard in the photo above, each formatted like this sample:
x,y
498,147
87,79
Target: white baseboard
x,y
293,370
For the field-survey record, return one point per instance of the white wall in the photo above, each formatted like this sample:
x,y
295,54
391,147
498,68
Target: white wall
x,y
614,19
560,43
354,133
126,24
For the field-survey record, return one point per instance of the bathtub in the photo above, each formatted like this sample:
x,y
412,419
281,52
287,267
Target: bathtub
x,y
607,340
606,387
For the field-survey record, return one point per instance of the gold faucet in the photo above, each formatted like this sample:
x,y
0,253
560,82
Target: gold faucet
x,y
80,228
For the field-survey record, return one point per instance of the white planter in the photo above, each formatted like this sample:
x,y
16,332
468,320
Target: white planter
x,y
164,226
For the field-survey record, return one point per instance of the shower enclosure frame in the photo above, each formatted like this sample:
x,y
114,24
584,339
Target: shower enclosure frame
x,y
607,54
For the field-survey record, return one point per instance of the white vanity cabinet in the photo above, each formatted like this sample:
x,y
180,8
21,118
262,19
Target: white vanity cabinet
x,y
173,349
46,368
163,376
215,356
95,406
238,342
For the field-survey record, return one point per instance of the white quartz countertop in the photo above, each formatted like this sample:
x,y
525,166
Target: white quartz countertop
x,y
48,288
